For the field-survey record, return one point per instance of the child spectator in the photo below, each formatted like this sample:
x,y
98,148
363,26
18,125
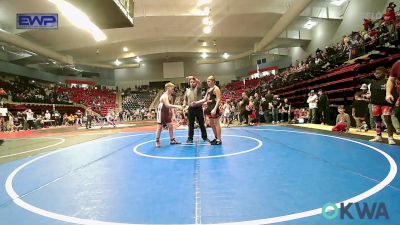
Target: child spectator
x,y
342,121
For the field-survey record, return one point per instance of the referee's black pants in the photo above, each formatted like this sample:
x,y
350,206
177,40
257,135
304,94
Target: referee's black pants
x,y
193,114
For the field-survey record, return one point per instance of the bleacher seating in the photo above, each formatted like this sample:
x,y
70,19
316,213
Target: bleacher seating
x,y
132,100
235,89
32,92
99,100
335,69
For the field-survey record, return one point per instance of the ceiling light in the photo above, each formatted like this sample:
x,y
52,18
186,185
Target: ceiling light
x,y
337,2
125,49
79,19
138,59
207,10
309,24
204,55
204,2
207,21
207,29
117,62
225,55
204,44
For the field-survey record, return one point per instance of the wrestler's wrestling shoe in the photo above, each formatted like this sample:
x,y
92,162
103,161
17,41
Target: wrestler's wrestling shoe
x,y
216,142
174,142
158,144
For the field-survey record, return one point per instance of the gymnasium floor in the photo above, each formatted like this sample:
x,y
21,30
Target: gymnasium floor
x,y
259,175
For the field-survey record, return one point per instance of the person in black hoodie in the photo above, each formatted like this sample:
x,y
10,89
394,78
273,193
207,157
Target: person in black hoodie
x,y
323,107
379,105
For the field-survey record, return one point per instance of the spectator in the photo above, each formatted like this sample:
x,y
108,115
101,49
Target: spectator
x,y
313,108
47,115
70,119
359,111
57,118
323,107
30,118
3,95
227,113
342,121
256,101
366,94
266,106
79,116
275,105
285,114
244,110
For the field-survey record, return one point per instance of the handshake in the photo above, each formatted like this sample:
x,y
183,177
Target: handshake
x,y
181,107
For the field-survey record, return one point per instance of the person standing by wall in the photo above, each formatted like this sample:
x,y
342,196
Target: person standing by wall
x,y
323,107
312,105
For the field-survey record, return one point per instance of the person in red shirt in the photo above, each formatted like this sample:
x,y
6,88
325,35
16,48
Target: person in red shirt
x,y
394,79
367,24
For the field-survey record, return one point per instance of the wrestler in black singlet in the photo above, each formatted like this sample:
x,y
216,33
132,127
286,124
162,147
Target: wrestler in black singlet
x,y
212,100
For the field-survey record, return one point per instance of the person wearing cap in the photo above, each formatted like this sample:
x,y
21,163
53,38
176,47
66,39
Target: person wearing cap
x,y
165,114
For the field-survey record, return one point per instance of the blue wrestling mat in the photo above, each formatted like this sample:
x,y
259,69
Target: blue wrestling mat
x,y
259,175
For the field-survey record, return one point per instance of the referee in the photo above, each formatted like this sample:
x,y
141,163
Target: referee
x,y
193,94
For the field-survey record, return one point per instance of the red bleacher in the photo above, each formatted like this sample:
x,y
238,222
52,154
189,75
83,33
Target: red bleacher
x,y
98,100
234,90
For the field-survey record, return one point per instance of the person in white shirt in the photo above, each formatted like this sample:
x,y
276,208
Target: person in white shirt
x,y
312,105
29,118
47,115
